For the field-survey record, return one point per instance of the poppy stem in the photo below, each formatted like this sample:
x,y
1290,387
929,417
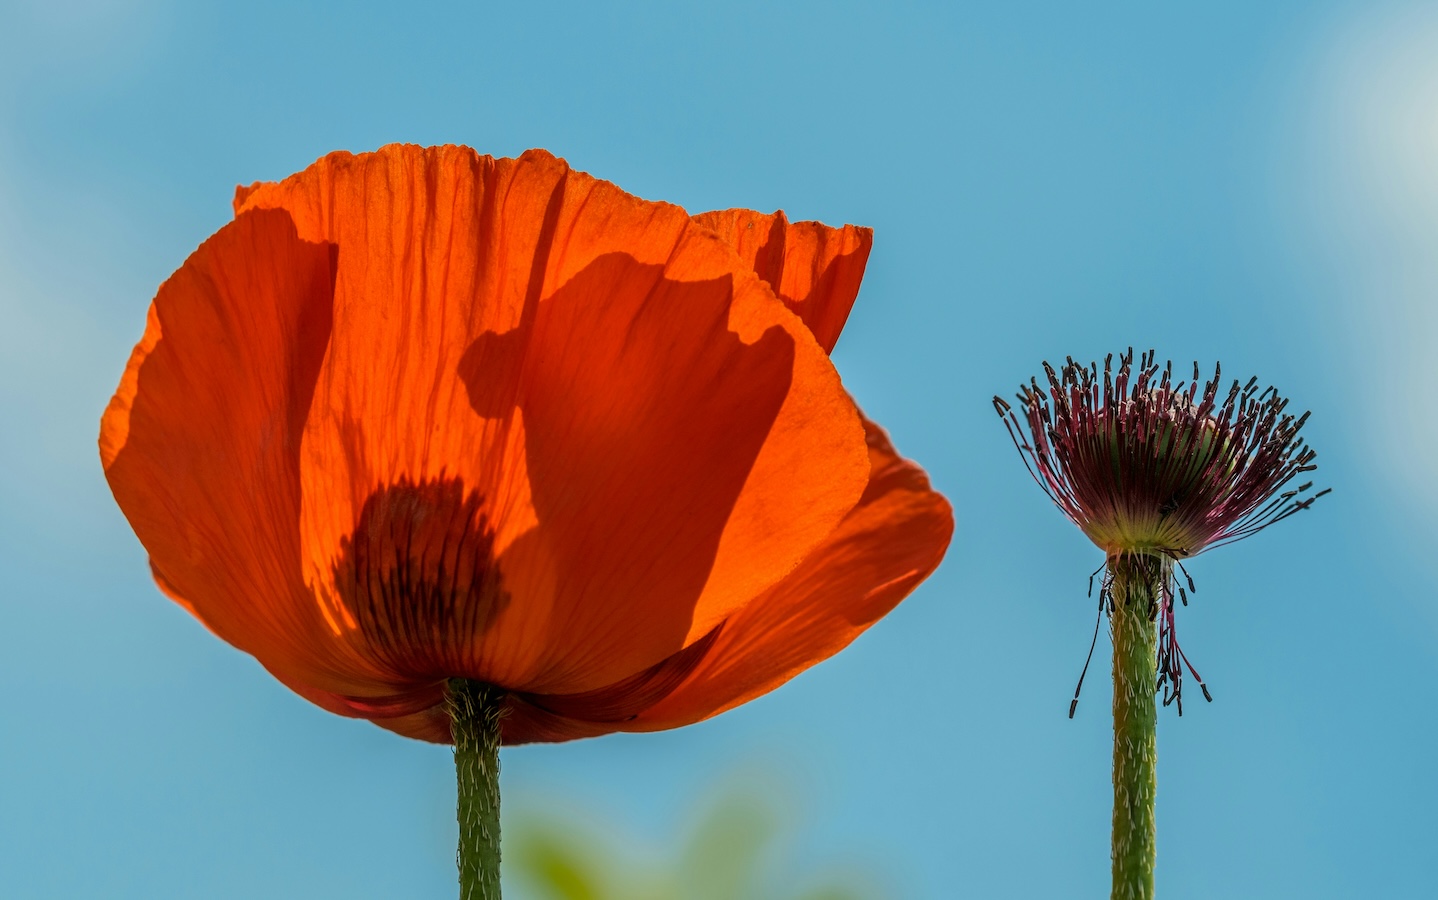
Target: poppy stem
x,y
1133,625
474,710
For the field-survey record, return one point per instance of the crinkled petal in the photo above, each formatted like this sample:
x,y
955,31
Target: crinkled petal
x,y
883,549
594,431
201,443
813,268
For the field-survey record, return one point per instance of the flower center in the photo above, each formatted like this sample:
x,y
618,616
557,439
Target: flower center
x,y
1182,451
1156,458
419,576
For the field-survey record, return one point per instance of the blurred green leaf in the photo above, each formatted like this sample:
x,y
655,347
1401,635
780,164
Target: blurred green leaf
x,y
724,857
557,865
736,849
833,892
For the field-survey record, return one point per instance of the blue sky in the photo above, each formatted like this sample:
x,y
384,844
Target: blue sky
x,y
1255,183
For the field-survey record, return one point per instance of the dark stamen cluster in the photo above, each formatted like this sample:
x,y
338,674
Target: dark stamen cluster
x,y
1150,465
1144,463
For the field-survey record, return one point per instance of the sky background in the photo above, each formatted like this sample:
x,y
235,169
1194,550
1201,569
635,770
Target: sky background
x,y
1253,183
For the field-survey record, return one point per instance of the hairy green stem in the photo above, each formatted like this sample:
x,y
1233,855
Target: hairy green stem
x,y
1133,626
474,710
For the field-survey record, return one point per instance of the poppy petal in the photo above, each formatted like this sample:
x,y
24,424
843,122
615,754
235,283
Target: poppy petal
x,y
630,433
529,717
200,444
813,268
883,549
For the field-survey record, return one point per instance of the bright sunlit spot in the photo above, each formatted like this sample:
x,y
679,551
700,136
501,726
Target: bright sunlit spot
x,y
1374,155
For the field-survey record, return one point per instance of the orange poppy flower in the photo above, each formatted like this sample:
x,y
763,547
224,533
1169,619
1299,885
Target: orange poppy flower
x,y
421,414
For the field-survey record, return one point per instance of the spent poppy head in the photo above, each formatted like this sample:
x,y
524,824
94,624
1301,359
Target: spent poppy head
x,y
1156,469
1147,464
421,414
